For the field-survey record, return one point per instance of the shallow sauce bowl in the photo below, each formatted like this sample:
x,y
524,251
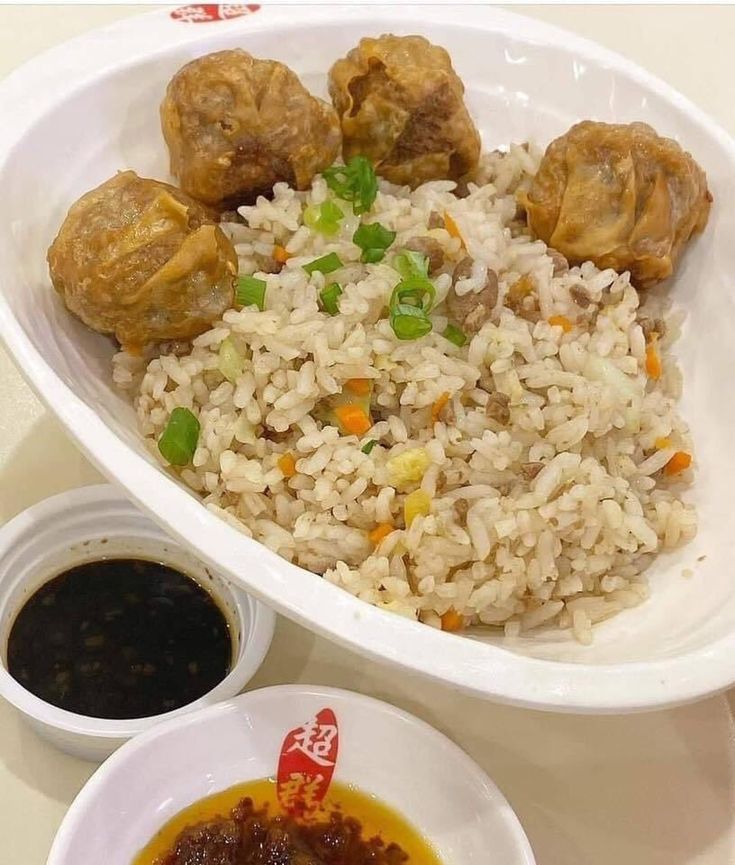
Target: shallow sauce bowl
x,y
86,109
381,750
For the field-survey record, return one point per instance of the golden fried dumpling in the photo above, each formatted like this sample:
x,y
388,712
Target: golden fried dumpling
x,y
235,125
143,261
401,104
618,195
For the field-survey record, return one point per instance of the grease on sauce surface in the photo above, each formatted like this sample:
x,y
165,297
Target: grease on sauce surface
x,y
375,817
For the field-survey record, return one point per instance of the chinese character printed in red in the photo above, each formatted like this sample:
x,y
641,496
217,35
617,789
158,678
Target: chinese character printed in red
x,y
306,765
201,13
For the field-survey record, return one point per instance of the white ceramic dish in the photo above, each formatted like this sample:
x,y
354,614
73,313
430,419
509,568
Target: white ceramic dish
x,y
382,750
88,108
86,524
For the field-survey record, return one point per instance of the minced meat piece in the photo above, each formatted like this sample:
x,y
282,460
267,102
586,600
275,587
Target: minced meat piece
x,y
267,264
470,311
498,407
561,265
580,296
530,470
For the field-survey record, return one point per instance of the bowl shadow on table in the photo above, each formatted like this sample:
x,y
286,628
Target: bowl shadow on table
x,y
44,463
37,764
638,812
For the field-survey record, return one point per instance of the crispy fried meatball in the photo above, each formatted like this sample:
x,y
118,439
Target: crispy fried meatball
x,y
235,125
401,104
619,195
141,260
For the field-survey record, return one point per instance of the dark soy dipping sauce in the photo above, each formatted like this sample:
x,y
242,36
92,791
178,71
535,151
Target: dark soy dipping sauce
x,y
120,638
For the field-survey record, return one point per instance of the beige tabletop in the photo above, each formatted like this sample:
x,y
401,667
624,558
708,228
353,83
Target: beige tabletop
x,y
656,789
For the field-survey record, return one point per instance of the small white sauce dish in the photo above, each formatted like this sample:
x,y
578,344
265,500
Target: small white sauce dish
x,y
382,751
88,524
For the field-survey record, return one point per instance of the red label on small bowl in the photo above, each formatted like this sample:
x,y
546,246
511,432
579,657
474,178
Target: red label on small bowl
x,y
306,765
202,13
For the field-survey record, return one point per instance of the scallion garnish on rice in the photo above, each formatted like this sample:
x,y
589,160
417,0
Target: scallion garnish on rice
x,y
373,239
455,335
355,182
329,298
368,446
410,264
323,218
179,440
409,307
229,361
417,291
250,292
409,322
326,264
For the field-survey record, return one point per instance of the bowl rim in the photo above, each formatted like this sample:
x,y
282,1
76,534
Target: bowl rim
x,y
488,671
444,744
31,525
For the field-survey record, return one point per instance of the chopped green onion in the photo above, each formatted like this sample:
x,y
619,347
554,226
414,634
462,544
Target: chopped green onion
x,y
179,440
418,291
411,264
329,297
250,292
324,218
409,322
355,182
455,335
366,448
409,306
230,362
325,264
373,239
372,255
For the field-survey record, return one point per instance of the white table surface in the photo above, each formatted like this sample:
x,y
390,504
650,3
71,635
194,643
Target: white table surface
x,y
655,789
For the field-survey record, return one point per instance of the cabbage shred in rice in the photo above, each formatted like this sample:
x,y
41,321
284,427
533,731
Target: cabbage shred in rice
x,y
517,480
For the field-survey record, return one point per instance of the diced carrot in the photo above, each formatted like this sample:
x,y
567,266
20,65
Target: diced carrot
x,y
662,443
653,361
287,464
280,254
353,419
561,321
678,463
438,406
452,621
379,532
359,386
452,228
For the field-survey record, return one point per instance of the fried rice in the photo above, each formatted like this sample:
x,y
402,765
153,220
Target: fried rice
x,y
543,440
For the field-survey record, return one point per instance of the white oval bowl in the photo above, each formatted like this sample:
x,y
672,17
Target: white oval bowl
x,y
74,116
84,525
382,750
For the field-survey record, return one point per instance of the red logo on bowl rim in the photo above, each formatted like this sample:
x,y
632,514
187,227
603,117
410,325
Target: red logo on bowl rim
x,y
203,13
306,764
